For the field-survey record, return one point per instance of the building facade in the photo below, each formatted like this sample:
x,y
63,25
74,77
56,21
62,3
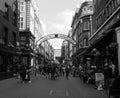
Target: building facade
x,y
81,26
105,32
9,35
30,30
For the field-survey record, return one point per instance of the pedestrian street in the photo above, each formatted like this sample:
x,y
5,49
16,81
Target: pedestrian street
x,y
44,87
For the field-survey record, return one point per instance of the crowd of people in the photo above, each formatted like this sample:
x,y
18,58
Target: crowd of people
x,y
52,71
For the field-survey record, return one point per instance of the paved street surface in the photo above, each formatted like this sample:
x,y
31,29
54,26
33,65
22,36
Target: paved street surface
x,y
42,87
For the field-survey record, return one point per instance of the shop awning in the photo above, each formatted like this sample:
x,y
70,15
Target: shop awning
x,y
81,51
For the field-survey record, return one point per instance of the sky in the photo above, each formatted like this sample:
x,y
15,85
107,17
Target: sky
x,y
56,17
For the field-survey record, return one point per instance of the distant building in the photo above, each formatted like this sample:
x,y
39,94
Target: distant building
x,y
48,52
65,51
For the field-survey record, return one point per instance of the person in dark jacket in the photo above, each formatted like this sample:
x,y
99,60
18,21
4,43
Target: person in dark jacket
x,y
107,75
22,73
67,71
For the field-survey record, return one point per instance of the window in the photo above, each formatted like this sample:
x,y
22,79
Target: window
x,y
94,2
5,36
14,39
110,8
22,6
91,8
107,11
31,43
85,42
21,23
23,38
86,25
118,2
89,34
6,11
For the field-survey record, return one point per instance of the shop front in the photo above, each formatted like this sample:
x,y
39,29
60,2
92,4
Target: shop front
x,y
9,59
104,49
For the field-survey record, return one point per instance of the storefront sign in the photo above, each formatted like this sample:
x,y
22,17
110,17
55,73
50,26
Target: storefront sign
x,y
99,78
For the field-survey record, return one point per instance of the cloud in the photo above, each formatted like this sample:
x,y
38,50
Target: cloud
x,y
57,26
65,15
62,21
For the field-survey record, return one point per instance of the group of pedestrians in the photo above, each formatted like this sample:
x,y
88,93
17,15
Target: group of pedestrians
x,y
110,73
54,70
24,73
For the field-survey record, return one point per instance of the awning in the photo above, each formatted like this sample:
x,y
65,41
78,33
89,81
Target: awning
x,y
81,51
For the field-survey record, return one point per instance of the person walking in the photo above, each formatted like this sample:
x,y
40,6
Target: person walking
x,y
67,71
107,75
22,73
28,71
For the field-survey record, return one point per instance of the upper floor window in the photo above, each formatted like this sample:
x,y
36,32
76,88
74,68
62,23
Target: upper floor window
x,y
14,39
86,25
5,36
85,42
22,6
21,23
94,2
6,11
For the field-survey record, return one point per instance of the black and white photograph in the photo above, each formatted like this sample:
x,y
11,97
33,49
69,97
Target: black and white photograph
x,y
59,48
